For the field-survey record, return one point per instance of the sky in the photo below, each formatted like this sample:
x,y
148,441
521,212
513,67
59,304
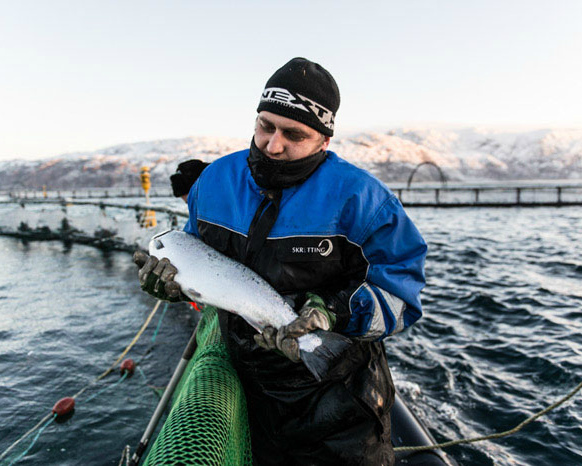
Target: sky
x,y
83,75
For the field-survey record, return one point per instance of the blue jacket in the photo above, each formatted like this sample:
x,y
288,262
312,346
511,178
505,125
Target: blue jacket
x,y
342,234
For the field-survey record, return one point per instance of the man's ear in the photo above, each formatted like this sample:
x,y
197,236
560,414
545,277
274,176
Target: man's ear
x,y
325,144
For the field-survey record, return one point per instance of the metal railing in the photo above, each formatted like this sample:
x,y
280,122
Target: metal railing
x,y
501,194
64,202
510,194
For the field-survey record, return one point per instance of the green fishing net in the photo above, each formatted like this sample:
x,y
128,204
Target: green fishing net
x,y
207,424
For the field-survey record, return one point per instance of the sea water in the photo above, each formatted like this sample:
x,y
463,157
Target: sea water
x,y
66,314
500,339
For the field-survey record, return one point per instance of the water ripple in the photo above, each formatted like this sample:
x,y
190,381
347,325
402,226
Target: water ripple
x,y
500,339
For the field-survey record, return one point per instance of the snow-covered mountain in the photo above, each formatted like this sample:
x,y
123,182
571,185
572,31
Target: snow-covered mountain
x,y
462,154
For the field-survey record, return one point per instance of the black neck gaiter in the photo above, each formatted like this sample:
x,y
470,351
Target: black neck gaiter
x,y
281,174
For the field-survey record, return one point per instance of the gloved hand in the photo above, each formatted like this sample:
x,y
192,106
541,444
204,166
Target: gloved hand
x,y
157,277
313,315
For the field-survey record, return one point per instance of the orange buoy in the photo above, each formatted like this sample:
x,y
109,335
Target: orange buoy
x,y
64,406
128,365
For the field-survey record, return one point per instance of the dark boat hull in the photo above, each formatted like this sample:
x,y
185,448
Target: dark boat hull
x,y
407,430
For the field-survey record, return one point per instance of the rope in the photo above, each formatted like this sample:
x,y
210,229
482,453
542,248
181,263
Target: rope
x,y
133,342
151,347
107,387
155,390
142,375
160,322
9,449
499,434
137,336
104,374
125,455
52,418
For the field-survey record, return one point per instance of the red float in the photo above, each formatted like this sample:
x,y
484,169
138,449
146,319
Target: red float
x,y
128,365
64,406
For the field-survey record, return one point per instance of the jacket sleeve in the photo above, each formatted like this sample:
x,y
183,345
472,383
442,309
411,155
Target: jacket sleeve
x,y
192,223
388,300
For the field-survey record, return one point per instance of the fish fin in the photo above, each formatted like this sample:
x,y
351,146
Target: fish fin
x,y
321,359
253,323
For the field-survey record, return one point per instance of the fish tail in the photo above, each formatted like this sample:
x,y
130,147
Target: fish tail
x,y
322,359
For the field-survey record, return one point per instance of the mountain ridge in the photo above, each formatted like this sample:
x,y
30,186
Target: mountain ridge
x,y
463,154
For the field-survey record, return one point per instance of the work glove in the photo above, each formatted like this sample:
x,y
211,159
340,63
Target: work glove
x,y
314,315
157,277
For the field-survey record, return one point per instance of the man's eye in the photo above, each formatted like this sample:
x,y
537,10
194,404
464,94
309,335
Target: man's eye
x,y
295,137
267,128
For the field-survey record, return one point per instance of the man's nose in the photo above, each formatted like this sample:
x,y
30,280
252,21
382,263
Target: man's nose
x,y
276,143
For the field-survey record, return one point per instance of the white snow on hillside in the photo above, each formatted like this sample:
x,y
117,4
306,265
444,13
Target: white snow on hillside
x,y
468,153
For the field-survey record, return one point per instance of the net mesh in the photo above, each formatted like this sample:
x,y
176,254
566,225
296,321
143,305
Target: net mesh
x,y
207,424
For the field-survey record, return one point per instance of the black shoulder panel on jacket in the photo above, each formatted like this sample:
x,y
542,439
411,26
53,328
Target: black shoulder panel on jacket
x,y
295,263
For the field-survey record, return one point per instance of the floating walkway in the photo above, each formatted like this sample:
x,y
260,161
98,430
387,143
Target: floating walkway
x,y
441,195
500,194
108,225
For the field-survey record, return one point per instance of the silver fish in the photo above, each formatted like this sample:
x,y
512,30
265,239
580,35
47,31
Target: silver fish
x,y
209,277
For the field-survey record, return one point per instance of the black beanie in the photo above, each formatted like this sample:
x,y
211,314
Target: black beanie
x,y
303,91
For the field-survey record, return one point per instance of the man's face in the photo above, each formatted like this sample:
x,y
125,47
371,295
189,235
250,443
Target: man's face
x,y
281,138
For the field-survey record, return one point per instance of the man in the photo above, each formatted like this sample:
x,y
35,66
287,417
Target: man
x,y
186,174
336,243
